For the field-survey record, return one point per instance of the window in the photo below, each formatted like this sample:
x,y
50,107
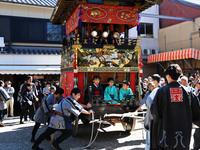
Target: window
x,y
146,30
145,51
153,51
28,30
54,32
36,31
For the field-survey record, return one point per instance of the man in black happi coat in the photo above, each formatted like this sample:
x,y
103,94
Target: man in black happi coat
x,y
173,111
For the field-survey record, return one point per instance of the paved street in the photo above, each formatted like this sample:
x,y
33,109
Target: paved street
x,y
15,136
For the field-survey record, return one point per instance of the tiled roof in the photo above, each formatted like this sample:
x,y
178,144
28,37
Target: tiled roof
x,y
46,3
32,51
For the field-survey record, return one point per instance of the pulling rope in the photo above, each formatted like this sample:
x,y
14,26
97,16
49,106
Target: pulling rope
x,y
91,136
130,114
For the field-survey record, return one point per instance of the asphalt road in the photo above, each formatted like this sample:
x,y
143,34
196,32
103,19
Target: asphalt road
x,y
15,136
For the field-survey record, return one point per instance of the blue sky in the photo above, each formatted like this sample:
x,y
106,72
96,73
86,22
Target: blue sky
x,y
193,1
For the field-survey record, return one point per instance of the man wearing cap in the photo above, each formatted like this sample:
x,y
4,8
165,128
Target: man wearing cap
x,y
10,103
125,91
3,98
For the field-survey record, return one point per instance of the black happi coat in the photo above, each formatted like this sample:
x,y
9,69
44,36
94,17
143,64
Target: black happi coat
x,y
172,117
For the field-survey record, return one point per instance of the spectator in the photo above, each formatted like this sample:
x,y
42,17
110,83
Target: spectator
x,y
27,102
39,90
149,79
148,117
197,131
162,82
53,89
10,103
3,98
184,83
57,84
46,90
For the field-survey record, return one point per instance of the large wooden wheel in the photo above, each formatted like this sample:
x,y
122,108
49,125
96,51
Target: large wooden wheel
x,y
130,124
75,126
85,120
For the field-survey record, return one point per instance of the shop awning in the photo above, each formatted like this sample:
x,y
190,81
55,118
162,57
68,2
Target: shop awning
x,y
175,55
32,70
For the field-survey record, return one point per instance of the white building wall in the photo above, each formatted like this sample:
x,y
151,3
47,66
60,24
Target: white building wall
x,y
29,11
148,43
30,60
21,10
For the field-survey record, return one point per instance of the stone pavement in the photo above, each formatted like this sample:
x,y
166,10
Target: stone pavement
x,y
15,136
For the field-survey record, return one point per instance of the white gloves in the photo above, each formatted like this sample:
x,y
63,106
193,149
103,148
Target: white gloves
x,y
30,102
54,106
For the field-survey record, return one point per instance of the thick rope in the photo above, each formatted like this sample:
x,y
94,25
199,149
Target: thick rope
x,y
91,136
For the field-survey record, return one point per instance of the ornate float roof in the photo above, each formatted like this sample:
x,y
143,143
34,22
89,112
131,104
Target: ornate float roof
x,y
64,8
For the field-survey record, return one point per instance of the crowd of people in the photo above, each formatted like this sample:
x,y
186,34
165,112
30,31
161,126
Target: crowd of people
x,y
30,97
172,104
43,106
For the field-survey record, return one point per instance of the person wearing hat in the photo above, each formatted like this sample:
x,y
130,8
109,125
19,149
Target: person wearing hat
x,y
3,98
125,91
173,111
10,103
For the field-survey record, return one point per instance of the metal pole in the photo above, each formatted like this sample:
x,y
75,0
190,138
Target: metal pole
x,y
188,64
165,17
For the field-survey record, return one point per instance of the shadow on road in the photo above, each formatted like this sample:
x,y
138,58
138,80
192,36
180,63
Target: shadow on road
x,y
17,137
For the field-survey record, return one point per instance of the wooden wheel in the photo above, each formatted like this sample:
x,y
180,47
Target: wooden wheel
x,y
85,120
130,124
75,127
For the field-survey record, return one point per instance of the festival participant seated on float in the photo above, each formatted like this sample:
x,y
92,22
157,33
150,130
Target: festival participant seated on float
x,y
110,93
125,91
97,88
